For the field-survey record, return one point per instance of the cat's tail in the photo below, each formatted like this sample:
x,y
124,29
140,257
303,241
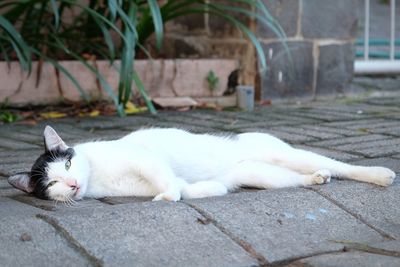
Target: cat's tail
x,y
203,189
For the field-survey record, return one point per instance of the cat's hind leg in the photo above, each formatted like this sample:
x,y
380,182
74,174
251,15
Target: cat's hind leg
x,y
263,175
308,162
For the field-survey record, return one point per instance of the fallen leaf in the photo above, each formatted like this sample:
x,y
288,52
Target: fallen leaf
x,y
132,109
94,113
53,115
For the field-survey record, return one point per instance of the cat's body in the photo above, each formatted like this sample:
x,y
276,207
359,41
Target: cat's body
x,y
171,164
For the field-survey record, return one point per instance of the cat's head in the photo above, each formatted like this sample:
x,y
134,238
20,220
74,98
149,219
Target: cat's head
x,y
60,173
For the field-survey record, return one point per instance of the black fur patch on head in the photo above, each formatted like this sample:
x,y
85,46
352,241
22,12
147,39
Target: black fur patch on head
x,y
38,174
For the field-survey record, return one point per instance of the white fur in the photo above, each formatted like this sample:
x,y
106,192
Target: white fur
x,y
170,164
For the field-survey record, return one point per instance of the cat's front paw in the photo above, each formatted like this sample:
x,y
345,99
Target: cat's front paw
x,y
383,176
168,196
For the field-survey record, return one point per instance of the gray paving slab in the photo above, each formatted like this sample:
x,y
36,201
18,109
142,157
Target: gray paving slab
x,y
326,129
48,205
388,246
308,132
367,138
377,206
366,124
326,115
29,241
380,151
21,136
375,144
115,122
293,138
287,223
18,156
334,154
391,130
13,144
152,234
353,258
11,168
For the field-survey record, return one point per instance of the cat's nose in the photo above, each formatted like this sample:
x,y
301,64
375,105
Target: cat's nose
x,y
72,183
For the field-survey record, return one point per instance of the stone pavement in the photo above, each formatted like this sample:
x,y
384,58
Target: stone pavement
x,y
343,223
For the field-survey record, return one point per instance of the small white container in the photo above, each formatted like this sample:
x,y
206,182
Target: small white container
x,y
245,97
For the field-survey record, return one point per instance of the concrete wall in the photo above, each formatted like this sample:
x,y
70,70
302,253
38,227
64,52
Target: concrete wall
x,y
319,37
320,34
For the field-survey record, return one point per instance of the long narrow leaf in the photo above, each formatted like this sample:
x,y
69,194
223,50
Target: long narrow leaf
x,y
141,88
56,13
157,21
21,48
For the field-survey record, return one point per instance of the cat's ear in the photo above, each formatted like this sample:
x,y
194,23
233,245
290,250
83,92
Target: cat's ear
x,y
21,181
52,140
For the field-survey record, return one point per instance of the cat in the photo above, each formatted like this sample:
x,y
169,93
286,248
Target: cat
x,y
172,164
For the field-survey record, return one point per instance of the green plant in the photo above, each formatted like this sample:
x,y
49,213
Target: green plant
x,y
212,80
7,116
51,30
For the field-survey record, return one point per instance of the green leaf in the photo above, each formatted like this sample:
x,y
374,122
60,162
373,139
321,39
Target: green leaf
x,y
56,13
21,48
157,21
142,90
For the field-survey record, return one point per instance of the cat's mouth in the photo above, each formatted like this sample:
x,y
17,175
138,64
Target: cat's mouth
x,y
77,191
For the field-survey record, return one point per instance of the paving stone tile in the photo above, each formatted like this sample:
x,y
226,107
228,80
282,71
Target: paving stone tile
x,y
50,205
286,223
379,151
364,125
307,132
18,156
391,130
17,145
376,205
21,136
339,131
334,154
392,245
11,168
287,137
152,234
376,144
353,258
384,101
244,126
192,122
29,241
326,115
290,118
114,122
334,143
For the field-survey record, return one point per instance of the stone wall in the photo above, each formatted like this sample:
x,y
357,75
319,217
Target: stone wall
x,y
320,34
319,40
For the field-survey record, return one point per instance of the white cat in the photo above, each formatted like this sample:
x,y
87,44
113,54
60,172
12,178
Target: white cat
x,y
171,164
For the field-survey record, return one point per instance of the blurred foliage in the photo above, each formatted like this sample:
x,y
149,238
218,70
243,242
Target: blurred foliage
x,y
54,30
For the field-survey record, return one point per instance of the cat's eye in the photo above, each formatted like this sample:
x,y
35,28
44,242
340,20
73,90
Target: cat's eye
x,y
68,164
51,183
